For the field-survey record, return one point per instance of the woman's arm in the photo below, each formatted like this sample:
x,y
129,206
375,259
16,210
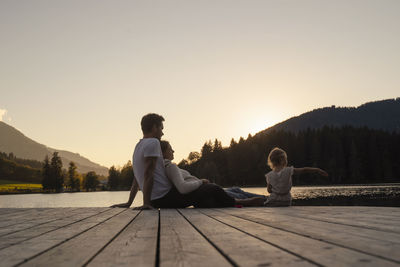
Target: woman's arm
x,y
176,177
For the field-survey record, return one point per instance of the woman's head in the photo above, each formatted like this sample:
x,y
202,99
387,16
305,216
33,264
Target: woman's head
x,y
277,158
166,149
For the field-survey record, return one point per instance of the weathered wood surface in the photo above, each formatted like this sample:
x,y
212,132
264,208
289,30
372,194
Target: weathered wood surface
x,y
293,236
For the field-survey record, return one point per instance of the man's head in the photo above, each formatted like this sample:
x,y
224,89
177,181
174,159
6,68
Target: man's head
x,y
152,125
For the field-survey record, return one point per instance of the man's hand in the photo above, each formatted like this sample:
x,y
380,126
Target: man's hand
x,y
144,207
205,181
122,205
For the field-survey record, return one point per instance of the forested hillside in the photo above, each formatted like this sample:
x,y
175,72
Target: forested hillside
x,y
19,170
350,155
379,115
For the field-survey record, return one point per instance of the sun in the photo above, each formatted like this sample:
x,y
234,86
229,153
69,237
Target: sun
x,y
258,125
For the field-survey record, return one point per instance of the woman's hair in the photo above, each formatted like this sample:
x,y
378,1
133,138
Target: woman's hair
x,y
277,157
164,145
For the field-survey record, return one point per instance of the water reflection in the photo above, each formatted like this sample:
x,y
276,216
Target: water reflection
x,y
105,199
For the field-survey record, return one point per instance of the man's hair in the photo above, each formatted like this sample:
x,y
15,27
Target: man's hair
x,y
149,120
277,158
164,145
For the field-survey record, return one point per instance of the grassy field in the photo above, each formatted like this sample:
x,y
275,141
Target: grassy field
x,y
10,186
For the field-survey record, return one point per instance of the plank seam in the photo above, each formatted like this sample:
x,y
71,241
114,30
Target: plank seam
x,y
319,239
53,230
62,242
231,261
111,240
268,242
157,263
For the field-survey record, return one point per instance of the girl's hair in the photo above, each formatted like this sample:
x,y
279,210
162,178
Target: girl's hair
x,y
164,145
277,157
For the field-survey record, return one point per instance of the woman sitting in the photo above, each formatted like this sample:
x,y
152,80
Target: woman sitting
x,y
203,193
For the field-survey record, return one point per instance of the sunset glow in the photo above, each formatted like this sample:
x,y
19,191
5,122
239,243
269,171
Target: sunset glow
x,y
80,75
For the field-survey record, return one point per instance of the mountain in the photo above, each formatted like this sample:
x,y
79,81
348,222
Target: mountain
x,y
13,141
379,115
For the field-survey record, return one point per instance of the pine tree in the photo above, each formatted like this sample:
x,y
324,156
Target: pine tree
x,y
56,174
73,178
90,181
206,149
113,178
46,183
127,176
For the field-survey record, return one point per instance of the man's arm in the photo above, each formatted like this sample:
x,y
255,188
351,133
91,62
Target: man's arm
x,y
309,170
132,195
150,165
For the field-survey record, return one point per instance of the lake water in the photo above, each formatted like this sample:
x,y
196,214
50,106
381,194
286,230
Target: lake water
x,y
106,198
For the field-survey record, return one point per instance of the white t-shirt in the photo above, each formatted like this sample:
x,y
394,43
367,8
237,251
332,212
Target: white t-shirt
x,y
281,183
150,147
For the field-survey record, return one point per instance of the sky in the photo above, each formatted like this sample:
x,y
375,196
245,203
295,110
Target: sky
x,y
78,75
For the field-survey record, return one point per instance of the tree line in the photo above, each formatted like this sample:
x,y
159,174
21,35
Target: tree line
x,y
350,155
35,164
16,171
55,178
120,178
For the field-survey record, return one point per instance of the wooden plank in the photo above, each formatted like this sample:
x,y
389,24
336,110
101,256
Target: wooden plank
x,y
182,245
353,230
389,212
20,213
31,215
23,251
323,253
375,222
33,232
386,213
380,244
79,250
135,246
240,248
34,219
9,211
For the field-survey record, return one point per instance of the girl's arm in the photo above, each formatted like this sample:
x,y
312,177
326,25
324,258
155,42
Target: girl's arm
x,y
175,175
310,170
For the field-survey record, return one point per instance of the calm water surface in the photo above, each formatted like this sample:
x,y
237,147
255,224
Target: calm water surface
x,y
105,199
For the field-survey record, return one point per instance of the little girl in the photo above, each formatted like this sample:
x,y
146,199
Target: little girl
x,y
279,180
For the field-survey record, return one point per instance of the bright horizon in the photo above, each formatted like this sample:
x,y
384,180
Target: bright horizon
x,y
79,75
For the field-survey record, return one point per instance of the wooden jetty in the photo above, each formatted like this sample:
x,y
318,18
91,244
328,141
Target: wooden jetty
x,y
293,236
